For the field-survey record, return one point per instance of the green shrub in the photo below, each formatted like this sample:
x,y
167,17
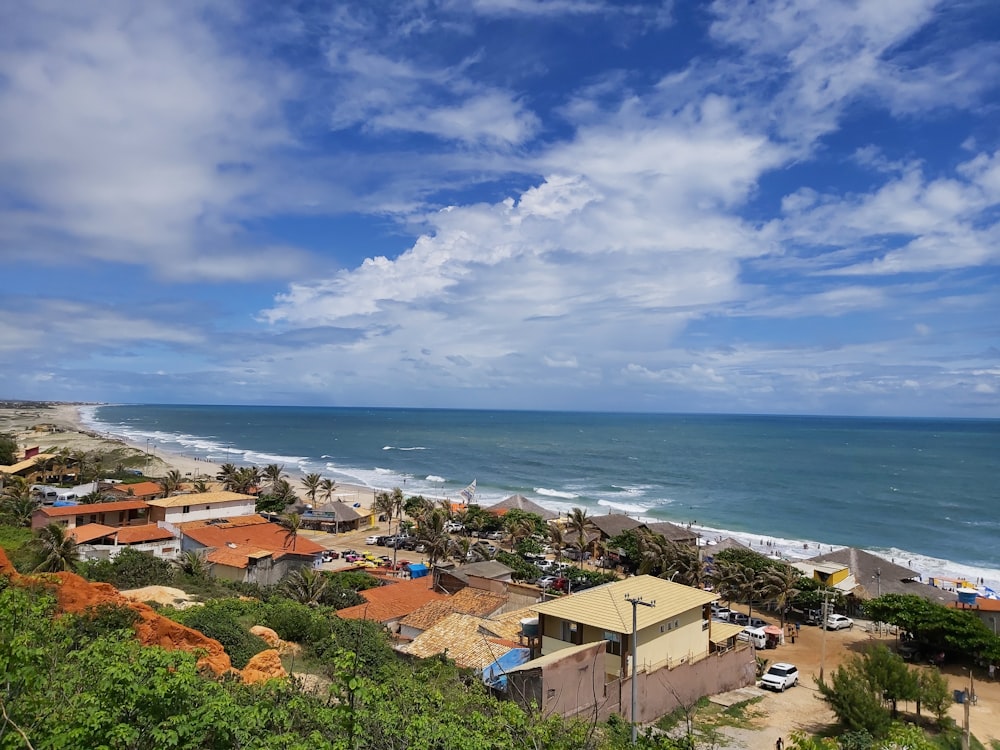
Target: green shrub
x,y
296,622
130,570
220,620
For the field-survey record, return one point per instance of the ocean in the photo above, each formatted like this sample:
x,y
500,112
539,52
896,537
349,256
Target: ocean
x,y
921,492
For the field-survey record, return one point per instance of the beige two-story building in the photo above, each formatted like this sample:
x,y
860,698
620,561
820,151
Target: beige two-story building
x,y
681,653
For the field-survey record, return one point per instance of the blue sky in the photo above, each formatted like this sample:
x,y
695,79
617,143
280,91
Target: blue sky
x,y
767,207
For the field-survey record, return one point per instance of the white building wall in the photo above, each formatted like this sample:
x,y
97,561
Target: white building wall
x,y
205,512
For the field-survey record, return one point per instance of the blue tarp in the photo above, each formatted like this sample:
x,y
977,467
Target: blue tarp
x,y
63,503
495,675
418,570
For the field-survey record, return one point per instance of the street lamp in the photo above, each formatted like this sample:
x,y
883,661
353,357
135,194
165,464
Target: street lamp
x,y
635,602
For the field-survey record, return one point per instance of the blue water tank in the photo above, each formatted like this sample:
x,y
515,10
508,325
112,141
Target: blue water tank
x,y
967,597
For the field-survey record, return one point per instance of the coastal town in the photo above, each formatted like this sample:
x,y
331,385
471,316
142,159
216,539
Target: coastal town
x,y
576,615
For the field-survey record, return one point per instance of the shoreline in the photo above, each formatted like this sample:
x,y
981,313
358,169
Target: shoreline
x,y
70,431
70,417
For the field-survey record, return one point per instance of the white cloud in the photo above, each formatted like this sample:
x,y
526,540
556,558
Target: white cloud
x,y
131,134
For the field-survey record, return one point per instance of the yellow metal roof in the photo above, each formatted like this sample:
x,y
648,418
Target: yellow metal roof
x,y
605,606
200,498
25,464
723,631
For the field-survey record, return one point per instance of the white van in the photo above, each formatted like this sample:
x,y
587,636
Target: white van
x,y
756,636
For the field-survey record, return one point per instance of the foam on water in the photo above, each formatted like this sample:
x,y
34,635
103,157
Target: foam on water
x,y
630,508
556,493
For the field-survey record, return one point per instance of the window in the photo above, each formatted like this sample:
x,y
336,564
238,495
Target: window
x,y
572,632
186,509
614,642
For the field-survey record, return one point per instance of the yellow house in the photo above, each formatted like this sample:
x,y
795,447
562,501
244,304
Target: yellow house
x,y
676,630
830,574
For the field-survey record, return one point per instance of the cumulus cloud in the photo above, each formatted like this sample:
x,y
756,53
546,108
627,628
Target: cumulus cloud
x,y
132,135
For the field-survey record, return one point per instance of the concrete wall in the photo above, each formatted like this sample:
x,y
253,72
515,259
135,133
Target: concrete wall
x,y
665,690
575,686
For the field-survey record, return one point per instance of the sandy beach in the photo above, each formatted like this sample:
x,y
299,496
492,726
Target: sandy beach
x,y
59,426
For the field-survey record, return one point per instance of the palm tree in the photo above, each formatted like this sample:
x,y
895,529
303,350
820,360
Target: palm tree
x,y
311,483
520,529
291,522
274,473
327,487
579,523
783,582
305,586
557,540
431,533
201,486
57,549
171,483
226,475
383,506
16,508
460,549
192,564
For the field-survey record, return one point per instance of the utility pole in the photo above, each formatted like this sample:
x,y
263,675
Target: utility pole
x,y
967,734
635,602
824,613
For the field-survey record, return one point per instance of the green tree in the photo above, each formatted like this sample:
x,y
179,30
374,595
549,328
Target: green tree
x,y
291,523
784,581
580,527
327,488
130,569
16,502
311,483
431,533
171,483
56,548
192,564
857,708
8,449
305,586
933,693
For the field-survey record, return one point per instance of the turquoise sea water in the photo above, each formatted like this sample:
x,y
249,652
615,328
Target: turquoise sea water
x,y
924,492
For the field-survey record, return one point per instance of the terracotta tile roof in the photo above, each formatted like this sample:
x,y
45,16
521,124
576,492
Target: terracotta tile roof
x,y
463,637
225,523
139,489
201,498
234,558
476,602
90,531
467,602
982,605
248,531
82,510
149,532
508,625
394,600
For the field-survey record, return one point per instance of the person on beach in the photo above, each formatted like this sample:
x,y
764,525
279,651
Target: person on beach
x,y
779,744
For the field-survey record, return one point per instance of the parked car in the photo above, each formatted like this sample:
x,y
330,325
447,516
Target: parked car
x,y
495,535
756,622
330,555
371,539
453,527
546,582
780,677
813,617
739,618
839,622
722,615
